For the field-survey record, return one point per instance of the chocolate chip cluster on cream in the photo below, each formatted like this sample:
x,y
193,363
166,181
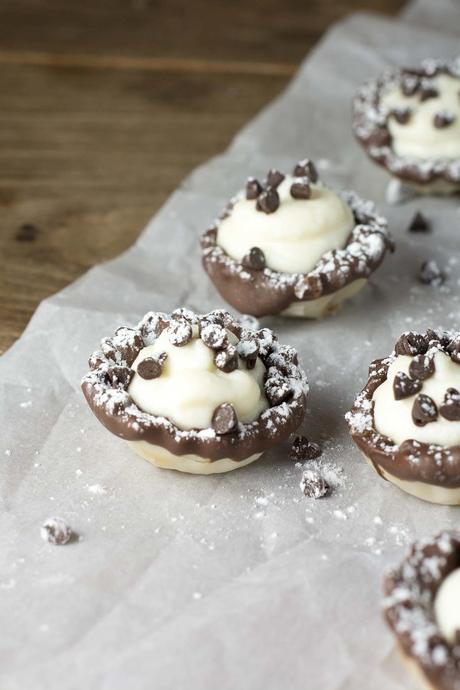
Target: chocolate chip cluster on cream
x,y
409,121
422,608
290,245
407,419
196,393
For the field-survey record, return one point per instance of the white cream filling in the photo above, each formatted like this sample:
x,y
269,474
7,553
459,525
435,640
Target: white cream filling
x,y
393,418
419,138
191,386
447,606
295,236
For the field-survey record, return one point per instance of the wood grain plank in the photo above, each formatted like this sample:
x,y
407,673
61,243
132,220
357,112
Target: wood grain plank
x,y
98,96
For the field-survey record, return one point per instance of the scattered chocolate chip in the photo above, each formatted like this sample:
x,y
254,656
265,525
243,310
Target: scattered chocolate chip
x,y
404,386
302,449
213,335
427,91
27,232
253,188
442,120
268,201
119,376
421,367
151,367
411,344
313,484
277,391
274,178
306,168
254,259
300,190
226,360
180,332
55,530
224,419
401,115
450,408
453,348
424,410
409,84
431,274
419,223
248,350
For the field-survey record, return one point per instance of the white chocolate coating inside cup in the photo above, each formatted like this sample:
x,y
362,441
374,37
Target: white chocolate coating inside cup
x,y
295,236
447,606
191,386
419,138
192,464
393,418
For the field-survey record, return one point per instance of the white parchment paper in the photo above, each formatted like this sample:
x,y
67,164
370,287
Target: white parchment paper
x,y
234,581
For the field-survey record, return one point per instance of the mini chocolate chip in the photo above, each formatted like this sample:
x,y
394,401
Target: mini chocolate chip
x,y
119,376
427,92
419,223
254,259
411,344
268,201
55,530
302,449
442,120
129,343
450,408
213,335
421,367
401,115
253,188
248,350
380,137
300,190
224,419
151,367
431,274
424,410
277,391
96,359
226,360
313,484
404,386
453,348
409,84
306,168
180,332
274,178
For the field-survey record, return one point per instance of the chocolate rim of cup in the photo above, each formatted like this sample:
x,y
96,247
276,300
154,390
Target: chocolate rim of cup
x,y
113,407
369,123
432,464
267,291
410,591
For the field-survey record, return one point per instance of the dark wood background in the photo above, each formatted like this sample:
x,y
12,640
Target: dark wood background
x,y
107,104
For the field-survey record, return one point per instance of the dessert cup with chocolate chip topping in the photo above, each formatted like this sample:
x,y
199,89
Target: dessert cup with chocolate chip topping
x,y
196,393
292,246
406,421
408,121
422,609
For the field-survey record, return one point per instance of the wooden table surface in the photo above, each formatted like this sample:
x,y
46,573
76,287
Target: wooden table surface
x,y
107,104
